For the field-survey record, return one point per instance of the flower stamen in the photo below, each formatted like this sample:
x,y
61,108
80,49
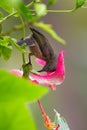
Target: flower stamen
x,y
47,122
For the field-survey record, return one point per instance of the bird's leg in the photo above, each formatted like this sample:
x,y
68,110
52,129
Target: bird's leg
x,y
29,56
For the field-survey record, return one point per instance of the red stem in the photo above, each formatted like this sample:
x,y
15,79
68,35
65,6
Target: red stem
x,y
41,108
57,127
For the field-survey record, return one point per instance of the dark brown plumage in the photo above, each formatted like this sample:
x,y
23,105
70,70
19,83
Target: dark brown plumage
x,y
40,48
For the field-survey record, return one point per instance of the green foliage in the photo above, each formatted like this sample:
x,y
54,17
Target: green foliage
x,y
25,12
40,9
49,30
5,47
7,5
80,3
15,116
16,5
51,2
15,88
18,8
15,92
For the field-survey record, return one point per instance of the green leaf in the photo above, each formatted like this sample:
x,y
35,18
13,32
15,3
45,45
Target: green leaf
x,y
15,116
51,2
14,92
16,5
15,88
20,6
40,9
61,121
5,52
7,5
25,12
5,47
80,3
49,30
5,41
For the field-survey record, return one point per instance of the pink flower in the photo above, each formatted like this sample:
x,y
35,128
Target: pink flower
x,y
17,72
51,79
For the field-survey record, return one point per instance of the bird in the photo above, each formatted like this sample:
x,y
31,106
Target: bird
x,y
40,47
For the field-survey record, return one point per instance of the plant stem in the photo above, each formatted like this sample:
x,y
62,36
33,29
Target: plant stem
x,y
30,4
7,17
59,11
41,108
23,25
23,58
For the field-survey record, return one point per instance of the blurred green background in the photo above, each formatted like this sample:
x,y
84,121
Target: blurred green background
x,y
70,98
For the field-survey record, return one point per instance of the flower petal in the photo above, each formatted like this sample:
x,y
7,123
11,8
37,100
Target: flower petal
x,y
40,61
16,72
19,73
52,78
